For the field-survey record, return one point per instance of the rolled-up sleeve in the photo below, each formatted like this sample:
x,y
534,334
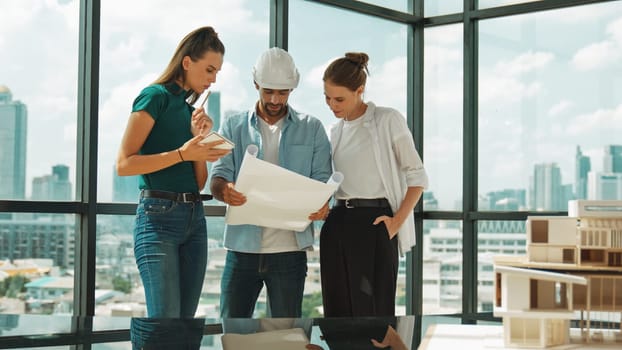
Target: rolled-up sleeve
x,y
406,154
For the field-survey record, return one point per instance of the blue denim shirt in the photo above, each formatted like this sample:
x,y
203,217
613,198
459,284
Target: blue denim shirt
x,y
304,148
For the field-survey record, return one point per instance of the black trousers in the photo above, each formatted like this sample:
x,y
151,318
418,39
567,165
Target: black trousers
x,y
358,264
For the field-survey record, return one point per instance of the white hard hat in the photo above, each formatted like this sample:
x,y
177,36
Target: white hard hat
x,y
275,69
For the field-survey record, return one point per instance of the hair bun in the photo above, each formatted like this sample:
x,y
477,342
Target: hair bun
x,y
359,58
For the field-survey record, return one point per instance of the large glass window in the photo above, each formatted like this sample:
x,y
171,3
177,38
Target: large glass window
x,y
494,3
38,99
133,54
436,8
134,51
399,5
37,256
443,117
119,290
384,42
384,45
549,109
495,238
442,267
549,120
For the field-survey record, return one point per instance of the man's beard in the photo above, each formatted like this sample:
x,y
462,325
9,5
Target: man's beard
x,y
272,112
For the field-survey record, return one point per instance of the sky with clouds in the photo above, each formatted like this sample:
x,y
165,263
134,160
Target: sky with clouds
x,y
548,81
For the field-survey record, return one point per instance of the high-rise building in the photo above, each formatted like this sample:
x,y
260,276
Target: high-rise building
x,y
213,109
583,165
507,199
125,188
612,161
39,238
429,201
55,186
13,125
604,186
546,188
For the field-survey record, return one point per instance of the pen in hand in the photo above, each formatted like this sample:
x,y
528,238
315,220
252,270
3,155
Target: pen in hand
x,y
202,129
205,99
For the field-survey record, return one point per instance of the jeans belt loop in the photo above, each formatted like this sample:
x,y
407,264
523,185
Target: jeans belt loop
x,y
188,197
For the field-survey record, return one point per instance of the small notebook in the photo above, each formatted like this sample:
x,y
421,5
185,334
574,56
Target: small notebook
x,y
282,339
214,136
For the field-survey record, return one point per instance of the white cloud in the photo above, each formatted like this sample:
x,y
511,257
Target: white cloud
x,y
124,55
442,159
133,51
442,150
231,16
602,54
443,71
597,55
500,90
70,132
600,121
524,63
234,85
116,108
560,108
504,83
578,15
22,13
615,30
574,15
440,57
444,36
387,84
313,78
113,117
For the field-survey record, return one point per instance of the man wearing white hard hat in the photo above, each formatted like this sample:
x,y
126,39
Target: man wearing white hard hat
x,y
296,141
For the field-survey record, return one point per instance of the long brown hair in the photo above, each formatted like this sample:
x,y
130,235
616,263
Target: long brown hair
x,y
194,45
349,71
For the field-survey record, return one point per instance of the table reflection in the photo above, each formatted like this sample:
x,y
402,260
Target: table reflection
x,y
112,333
163,334
319,334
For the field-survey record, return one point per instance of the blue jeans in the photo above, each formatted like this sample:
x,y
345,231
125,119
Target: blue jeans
x,y
166,333
245,274
170,246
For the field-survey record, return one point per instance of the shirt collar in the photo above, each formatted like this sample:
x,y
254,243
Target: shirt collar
x,y
175,89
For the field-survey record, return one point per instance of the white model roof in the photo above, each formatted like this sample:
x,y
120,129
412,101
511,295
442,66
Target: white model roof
x,y
541,275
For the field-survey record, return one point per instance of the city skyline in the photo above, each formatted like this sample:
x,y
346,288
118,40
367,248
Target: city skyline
x,y
520,103
539,97
13,131
546,179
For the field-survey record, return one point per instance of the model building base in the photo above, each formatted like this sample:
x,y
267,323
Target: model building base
x,y
572,271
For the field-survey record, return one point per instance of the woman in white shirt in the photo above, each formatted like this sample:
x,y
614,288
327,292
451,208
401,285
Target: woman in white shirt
x,y
372,218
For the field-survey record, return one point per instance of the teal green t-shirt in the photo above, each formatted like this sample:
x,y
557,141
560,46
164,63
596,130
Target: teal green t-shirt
x,y
168,107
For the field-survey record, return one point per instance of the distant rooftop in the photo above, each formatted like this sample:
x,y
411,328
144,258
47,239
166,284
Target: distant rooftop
x,y
51,282
5,94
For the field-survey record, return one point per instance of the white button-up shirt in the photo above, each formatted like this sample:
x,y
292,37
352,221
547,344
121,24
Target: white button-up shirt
x,y
397,159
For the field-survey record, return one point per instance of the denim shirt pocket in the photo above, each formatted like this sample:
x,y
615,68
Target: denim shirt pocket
x,y
298,158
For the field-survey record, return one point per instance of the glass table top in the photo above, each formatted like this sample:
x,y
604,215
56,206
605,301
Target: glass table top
x,y
32,331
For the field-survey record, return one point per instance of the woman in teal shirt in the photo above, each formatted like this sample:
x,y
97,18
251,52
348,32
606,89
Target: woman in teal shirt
x,y
162,145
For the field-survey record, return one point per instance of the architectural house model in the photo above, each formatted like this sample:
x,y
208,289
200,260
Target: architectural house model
x,y
573,267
